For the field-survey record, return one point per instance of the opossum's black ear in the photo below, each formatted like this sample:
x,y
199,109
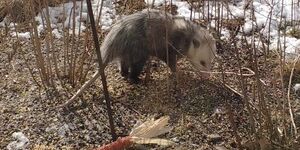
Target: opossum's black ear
x,y
196,43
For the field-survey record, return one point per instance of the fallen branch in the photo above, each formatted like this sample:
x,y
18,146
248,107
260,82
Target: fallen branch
x,y
101,67
234,91
288,96
84,86
252,73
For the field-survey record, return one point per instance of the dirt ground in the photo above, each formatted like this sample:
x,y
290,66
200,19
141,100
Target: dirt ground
x,y
197,106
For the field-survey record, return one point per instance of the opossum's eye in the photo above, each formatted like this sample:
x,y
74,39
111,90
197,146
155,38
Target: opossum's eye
x,y
203,63
196,43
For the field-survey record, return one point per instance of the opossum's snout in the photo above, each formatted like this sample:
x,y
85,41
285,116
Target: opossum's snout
x,y
203,67
201,53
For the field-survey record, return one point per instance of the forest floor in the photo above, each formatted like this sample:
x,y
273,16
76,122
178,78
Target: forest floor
x,y
197,106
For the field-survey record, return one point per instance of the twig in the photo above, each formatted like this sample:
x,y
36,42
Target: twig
x,y
84,86
234,91
101,69
252,73
281,145
288,96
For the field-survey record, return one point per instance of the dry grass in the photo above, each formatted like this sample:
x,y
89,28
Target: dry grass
x,y
19,10
129,6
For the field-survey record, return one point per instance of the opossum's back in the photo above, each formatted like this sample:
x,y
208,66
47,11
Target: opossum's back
x,y
133,36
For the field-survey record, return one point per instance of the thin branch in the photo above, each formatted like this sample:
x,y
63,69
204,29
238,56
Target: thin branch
x,y
288,96
101,69
82,89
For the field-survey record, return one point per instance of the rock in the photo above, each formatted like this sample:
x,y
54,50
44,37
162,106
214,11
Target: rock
x,y
62,131
297,89
21,141
214,138
175,139
220,148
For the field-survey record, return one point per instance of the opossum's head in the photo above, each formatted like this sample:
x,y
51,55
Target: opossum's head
x,y
202,50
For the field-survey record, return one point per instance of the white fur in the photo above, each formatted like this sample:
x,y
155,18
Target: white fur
x,y
180,24
205,52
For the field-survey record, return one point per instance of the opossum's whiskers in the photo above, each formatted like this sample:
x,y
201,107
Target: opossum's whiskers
x,y
252,73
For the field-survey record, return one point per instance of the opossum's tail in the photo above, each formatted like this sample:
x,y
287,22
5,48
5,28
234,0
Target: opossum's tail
x,y
109,49
124,39
106,52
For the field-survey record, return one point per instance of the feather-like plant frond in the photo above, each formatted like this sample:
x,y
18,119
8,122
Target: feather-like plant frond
x,y
152,128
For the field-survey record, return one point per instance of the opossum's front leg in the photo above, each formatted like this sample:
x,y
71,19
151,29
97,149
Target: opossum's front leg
x,y
172,64
135,71
124,69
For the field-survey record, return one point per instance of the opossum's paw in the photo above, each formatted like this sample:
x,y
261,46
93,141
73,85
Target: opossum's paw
x,y
134,80
124,74
173,78
173,82
124,71
173,85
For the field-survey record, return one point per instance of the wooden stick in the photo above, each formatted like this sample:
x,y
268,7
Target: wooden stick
x,y
288,96
101,68
84,86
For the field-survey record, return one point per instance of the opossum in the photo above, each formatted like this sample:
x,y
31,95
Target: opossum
x,y
136,37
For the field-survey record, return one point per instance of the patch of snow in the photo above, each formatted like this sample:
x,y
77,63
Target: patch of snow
x,y
262,12
57,34
156,2
293,45
248,26
175,139
236,11
106,18
62,131
225,34
183,8
21,35
62,17
297,87
84,17
297,90
21,142
40,29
